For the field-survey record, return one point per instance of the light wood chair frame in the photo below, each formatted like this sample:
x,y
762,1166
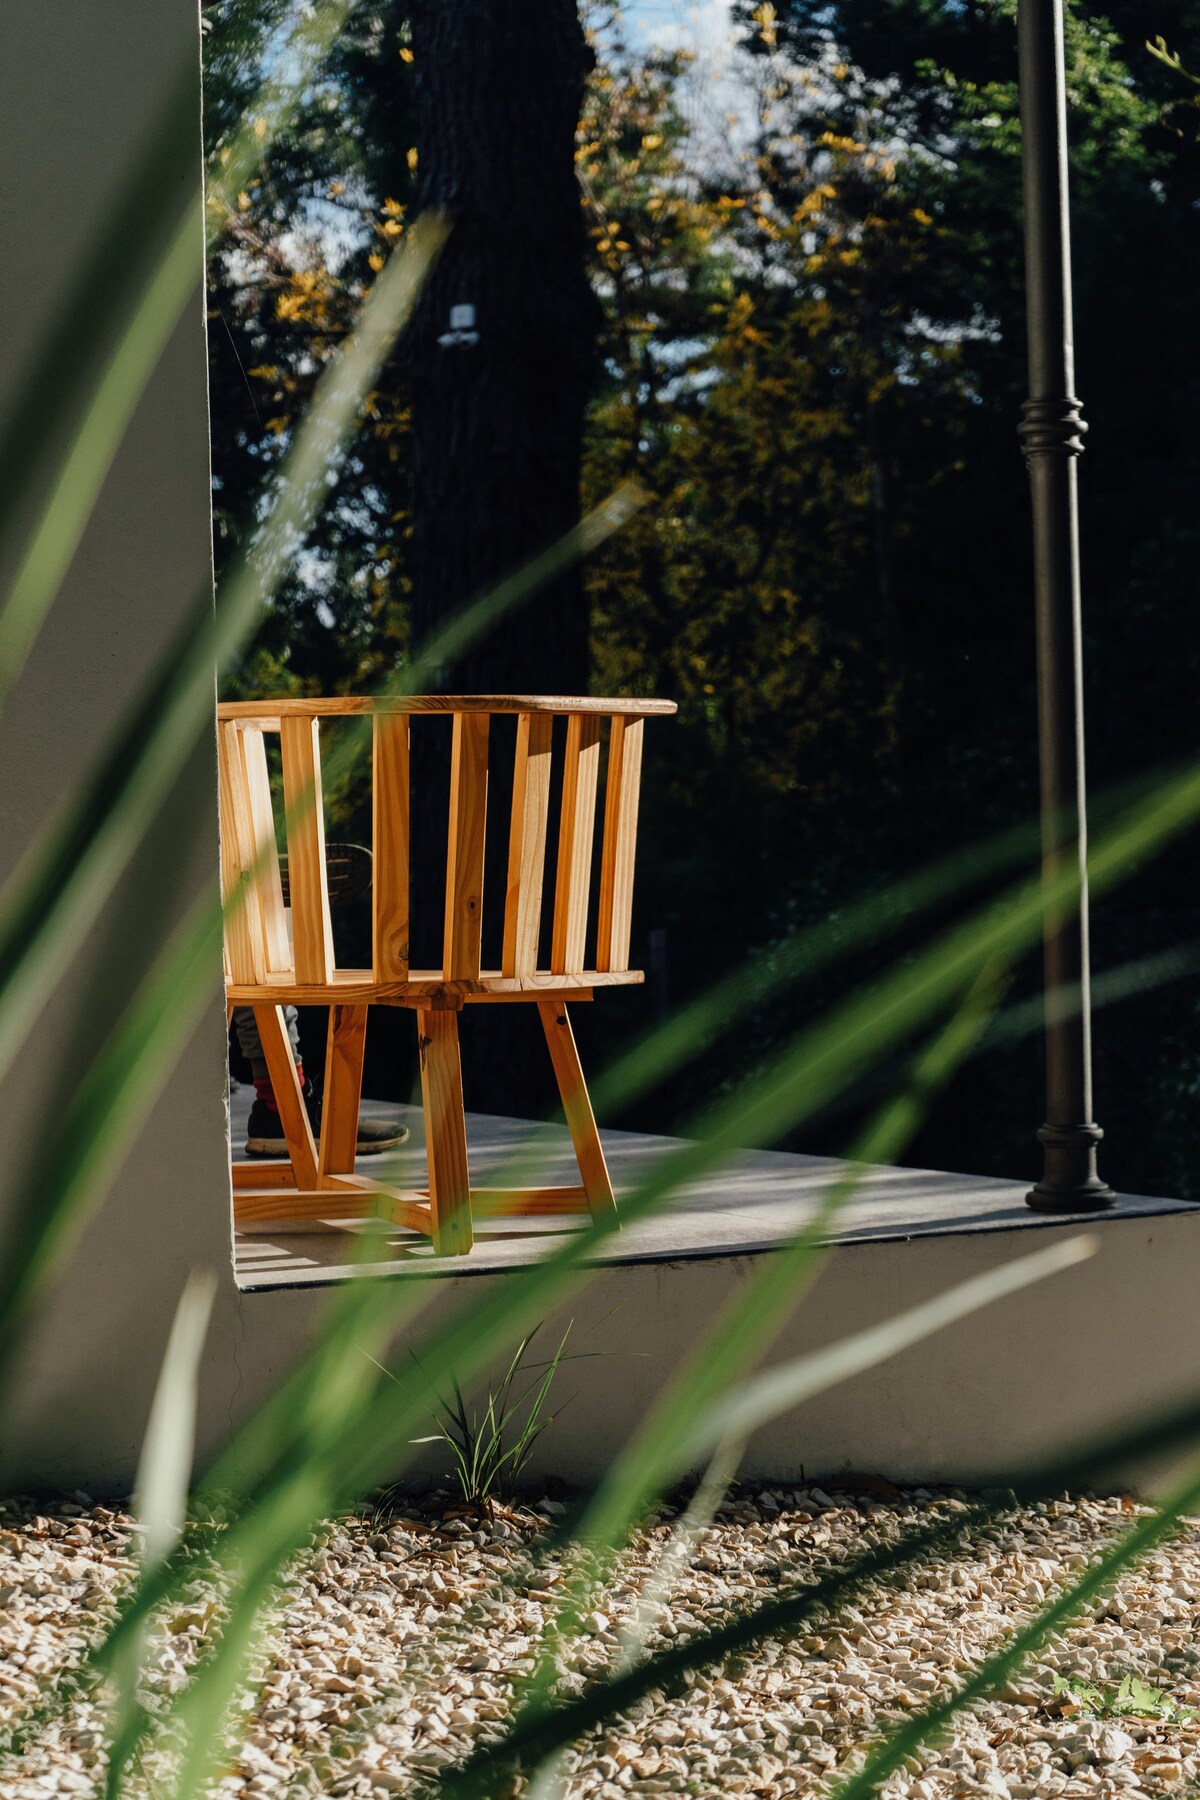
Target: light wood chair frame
x,y
269,966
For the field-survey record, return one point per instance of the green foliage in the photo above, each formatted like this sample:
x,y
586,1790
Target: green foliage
x,y
1130,1698
491,1439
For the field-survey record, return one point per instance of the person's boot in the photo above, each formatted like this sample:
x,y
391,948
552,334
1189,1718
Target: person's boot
x,y
375,1135
264,1131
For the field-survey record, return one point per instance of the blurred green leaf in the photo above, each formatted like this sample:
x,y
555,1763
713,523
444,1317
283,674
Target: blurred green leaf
x,y
67,420
59,888
161,1486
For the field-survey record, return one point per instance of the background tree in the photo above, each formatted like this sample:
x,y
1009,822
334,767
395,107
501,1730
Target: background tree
x,y
812,357
498,404
962,567
309,237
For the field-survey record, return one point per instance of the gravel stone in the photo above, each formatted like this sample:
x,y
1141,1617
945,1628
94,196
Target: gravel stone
x,y
395,1647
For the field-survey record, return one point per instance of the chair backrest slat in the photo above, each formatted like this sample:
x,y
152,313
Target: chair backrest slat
x,y
272,916
312,932
261,952
527,844
620,845
464,847
390,838
580,774
243,936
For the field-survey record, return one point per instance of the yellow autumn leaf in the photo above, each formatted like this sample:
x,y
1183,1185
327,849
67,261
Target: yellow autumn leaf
x,y
406,54
764,17
810,204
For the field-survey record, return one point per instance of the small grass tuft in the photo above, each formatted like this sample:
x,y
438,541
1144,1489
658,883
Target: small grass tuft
x,y
1130,1698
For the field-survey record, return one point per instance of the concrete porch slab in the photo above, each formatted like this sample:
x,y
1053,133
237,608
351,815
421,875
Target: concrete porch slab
x,y
1108,1341
748,1207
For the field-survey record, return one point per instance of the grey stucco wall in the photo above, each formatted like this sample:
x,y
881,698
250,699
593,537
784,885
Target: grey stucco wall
x,y
80,83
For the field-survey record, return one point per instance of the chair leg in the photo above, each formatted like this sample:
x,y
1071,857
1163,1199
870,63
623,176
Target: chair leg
x,y
285,1084
577,1106
343,1091
445,1132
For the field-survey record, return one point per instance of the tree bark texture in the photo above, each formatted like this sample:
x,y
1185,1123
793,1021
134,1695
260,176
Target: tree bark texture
x,y
498,402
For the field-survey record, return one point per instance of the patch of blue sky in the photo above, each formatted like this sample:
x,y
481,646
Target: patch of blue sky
x,y
718,100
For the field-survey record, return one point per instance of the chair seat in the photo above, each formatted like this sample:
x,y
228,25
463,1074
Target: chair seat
x,y
426,987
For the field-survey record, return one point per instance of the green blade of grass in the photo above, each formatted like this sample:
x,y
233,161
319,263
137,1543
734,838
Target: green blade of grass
x,y
1137,831
101,1117
1165,1431
668,1047
365,1454
547,1782
54,896
130,285
737,1414
165,1465
746,1408
746,1326
884,1340
685,1539
664,1444
111,1100
59,527
536,1738
858,1034
858,1030
97,359
58,889
995,1669
161,1487
209,1707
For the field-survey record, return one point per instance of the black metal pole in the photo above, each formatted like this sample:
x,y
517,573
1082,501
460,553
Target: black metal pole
x,y
1051,433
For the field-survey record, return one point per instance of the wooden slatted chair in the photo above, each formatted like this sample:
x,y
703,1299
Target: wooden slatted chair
x,y
273,960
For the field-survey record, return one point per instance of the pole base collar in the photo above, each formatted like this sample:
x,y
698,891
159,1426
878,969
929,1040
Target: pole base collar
x,y
1069,1181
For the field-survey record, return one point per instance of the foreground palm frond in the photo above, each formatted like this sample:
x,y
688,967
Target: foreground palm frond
x,y
342,1420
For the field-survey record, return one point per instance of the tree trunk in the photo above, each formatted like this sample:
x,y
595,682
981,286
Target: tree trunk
x,y
498,391
500,359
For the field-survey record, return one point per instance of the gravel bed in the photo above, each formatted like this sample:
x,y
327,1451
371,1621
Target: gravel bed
x,y
394,1648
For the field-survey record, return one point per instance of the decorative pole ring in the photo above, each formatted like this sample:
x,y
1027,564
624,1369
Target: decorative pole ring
x,y
1052,428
